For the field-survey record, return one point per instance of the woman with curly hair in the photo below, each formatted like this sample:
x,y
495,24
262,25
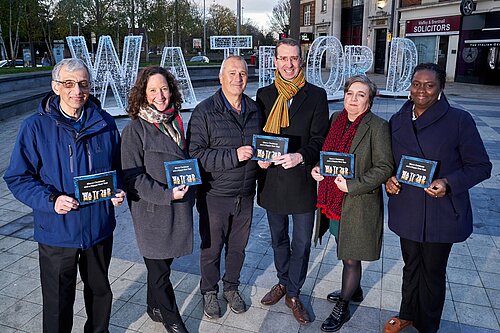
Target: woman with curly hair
x,y
162,217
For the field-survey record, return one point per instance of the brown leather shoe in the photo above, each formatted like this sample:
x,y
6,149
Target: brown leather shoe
x,y
274,295
298,310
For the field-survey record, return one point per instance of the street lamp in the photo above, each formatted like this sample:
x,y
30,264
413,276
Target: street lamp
x,y
238,17
204,30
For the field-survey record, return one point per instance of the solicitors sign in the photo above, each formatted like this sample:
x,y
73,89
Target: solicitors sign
x,y
449,25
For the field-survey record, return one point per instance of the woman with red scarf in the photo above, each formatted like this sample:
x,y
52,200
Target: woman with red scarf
x,y
162,217
354,206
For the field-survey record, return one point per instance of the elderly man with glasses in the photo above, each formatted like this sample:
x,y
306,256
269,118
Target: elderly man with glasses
x,y
69,136
297,110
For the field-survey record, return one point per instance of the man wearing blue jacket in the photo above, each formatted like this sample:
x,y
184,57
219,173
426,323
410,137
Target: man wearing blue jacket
x,y
70,135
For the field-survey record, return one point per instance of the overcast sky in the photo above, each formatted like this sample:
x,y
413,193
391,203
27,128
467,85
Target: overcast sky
x,y
255,10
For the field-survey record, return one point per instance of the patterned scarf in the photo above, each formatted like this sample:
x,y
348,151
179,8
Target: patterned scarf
x,y
286,90
169,122
338,140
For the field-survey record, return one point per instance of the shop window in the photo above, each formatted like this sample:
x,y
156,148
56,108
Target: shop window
x,y
357,3
323,6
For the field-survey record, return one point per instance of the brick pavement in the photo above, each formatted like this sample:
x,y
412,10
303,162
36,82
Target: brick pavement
x,y
473,287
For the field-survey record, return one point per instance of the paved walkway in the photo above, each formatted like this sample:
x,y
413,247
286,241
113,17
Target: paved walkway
x,y
473,288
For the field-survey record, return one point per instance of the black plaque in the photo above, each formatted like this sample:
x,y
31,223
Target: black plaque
x,y
416,171
182,172
267,147
96,187
334,164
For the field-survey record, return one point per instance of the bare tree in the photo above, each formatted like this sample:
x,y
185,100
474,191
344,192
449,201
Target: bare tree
x,y
279,20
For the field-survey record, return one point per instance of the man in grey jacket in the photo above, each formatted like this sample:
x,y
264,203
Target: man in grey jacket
x,y
219,135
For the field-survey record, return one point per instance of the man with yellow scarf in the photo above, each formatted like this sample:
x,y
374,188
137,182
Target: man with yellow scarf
x,y
297,110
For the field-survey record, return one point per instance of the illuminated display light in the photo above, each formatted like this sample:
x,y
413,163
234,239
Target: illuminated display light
x,y
107,69
403,59
173,60
230,44
266,65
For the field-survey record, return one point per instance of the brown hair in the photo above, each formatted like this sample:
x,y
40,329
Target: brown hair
x,y
289,42
137,95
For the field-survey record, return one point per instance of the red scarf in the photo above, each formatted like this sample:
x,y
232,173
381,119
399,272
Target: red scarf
x,y
338,140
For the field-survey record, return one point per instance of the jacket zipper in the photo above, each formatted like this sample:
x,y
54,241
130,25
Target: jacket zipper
x,y
89,158
70,150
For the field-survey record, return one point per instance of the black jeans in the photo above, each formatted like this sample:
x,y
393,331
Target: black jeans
x,y
58,271
224,222
424,283
291,258
160,291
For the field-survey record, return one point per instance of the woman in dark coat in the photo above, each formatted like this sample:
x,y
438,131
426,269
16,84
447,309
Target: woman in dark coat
x,y
355,205
428,221
162,217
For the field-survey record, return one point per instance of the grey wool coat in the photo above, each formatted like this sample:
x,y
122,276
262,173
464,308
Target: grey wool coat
x,y
362,218
163,228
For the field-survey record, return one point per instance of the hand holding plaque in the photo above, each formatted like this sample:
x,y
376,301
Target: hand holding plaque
x,y
182,172
416,171
268,147
334,164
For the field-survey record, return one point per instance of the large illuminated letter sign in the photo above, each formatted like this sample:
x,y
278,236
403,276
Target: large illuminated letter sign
x,y
173,61
266,65
107,69
230,44
358,60
334,57
403,59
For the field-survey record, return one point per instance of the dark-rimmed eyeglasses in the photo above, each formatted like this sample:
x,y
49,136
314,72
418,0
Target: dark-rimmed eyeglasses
x,y
71,84
292,58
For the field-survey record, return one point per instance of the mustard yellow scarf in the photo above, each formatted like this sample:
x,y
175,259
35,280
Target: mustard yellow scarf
x,y
278,117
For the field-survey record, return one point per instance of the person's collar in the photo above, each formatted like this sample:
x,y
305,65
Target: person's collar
x,y
69,117
228,105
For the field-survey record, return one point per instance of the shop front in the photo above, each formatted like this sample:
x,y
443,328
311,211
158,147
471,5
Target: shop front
x,y
436,40
479,49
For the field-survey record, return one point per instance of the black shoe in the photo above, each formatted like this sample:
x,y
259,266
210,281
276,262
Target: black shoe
x,y
340,315
154,314
176,327
357,297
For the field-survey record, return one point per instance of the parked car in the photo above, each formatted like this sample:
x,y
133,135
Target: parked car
x,y
200,59
6,63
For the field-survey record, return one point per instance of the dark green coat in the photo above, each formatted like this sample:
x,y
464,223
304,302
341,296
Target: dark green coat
x,y
362,218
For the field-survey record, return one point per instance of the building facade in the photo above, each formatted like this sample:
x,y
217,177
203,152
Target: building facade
x,y
353,22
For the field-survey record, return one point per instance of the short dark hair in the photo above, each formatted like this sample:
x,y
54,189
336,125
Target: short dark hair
x,y
440,73
137,97
372,87
287,41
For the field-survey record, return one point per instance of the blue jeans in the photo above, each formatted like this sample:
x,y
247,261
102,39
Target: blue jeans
x,y
291,259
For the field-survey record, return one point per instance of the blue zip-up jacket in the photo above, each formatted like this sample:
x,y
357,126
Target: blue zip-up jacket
x,y
48,153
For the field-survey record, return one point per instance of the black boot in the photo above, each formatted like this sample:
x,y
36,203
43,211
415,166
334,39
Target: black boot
x,y
177,327
357,297
340,315
154,314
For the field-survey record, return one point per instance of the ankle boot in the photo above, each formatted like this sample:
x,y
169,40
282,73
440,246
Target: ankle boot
x,y
340,315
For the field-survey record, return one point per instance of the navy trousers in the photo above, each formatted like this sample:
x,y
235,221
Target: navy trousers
x,y
291,258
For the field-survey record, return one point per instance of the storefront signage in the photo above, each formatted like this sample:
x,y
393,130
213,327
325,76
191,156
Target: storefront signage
x,y
449,25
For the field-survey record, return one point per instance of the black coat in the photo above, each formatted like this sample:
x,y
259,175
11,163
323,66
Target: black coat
x,y
293,191
213,136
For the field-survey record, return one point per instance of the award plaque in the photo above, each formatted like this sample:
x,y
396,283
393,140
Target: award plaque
x,y
416,171
96,187
182,172
334,164
267,147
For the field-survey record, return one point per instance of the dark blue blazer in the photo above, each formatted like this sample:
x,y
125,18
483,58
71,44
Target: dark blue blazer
x,y
449,136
